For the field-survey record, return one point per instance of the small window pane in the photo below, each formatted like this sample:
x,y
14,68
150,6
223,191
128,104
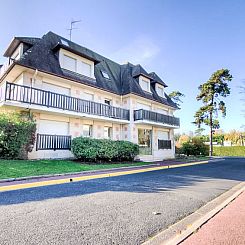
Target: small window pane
x,y
108,102
105,75
86,69
64,42
70,63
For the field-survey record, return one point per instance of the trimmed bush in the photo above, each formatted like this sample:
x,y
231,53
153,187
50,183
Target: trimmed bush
x,y
229,151
94,150
17,135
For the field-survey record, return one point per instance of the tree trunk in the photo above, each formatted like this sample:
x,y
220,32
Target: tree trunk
x,y
211,135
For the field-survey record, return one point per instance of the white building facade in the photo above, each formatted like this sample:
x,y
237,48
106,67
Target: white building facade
x,y
73,91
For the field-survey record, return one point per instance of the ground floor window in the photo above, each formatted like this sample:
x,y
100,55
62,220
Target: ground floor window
x,y
87,130
107,132
145,141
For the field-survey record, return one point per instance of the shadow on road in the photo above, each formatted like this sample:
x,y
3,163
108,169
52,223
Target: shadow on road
x,y
149,182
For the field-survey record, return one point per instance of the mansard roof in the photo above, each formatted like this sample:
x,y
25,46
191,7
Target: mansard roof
x,y
42,54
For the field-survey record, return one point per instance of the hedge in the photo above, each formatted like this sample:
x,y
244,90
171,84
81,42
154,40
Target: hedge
x,y
17,135
195,147
229,151
94,150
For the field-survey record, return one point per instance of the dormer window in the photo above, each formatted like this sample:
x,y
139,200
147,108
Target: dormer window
x,y
145,84
160,90
76,63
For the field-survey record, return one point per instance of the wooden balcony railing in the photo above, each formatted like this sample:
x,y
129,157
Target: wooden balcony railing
x,y
156,117
30,95
53,142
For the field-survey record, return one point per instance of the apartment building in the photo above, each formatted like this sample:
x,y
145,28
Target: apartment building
x,y
73,91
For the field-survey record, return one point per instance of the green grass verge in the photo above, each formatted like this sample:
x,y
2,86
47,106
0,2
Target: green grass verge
x,y
229,151
22,168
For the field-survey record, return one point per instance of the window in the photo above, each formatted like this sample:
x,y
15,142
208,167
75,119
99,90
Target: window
x,y
85,69
105,75
107,132
163,135
107,101
145,85
70,63
143,106
145,141
88,96
160,90
162,111
87,130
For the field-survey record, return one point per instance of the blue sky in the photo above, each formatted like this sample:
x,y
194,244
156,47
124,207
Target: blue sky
x,y
184,42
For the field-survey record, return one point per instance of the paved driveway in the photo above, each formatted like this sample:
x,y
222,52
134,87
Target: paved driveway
x,y
117,210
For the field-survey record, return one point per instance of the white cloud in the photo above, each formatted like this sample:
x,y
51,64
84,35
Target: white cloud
x,y
140,51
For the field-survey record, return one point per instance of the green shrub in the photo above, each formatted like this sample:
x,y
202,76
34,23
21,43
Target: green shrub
x,y
93,150
17,135
229,151
195,147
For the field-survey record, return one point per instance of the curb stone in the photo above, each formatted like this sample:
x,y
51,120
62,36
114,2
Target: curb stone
x,y
184,228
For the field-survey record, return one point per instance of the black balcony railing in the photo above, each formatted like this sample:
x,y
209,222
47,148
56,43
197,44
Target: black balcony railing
x,y
155,117
29,95
164,144
53,142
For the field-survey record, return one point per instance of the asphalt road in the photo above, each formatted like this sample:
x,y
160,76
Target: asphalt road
x,y
117,210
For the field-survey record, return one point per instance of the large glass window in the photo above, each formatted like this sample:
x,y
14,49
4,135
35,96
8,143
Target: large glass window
x,y
145,141
87,130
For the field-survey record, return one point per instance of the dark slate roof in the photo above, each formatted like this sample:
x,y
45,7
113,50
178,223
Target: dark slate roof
x,y
139,70
157,79
16,41
43,55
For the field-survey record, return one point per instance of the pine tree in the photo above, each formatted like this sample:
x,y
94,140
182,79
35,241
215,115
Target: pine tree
x,y
210,93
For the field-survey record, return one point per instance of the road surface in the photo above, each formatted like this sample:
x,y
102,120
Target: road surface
x,y
116,210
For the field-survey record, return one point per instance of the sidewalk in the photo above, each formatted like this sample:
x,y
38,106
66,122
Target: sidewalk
x,y
227,227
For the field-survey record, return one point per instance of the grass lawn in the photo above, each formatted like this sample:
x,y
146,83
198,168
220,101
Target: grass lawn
x,y
23,168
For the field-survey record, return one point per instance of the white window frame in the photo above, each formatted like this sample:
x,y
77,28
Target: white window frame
x,y
82,71
160,87
143,80
89,94
90,130
108,100
82,64
108,131
68,67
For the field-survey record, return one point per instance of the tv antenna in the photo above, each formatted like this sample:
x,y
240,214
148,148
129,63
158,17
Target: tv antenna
x,y
73,22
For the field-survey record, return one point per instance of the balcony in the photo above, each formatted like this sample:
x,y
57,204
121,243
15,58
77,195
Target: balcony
x,y
156,118
33,96
164,144
53,142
